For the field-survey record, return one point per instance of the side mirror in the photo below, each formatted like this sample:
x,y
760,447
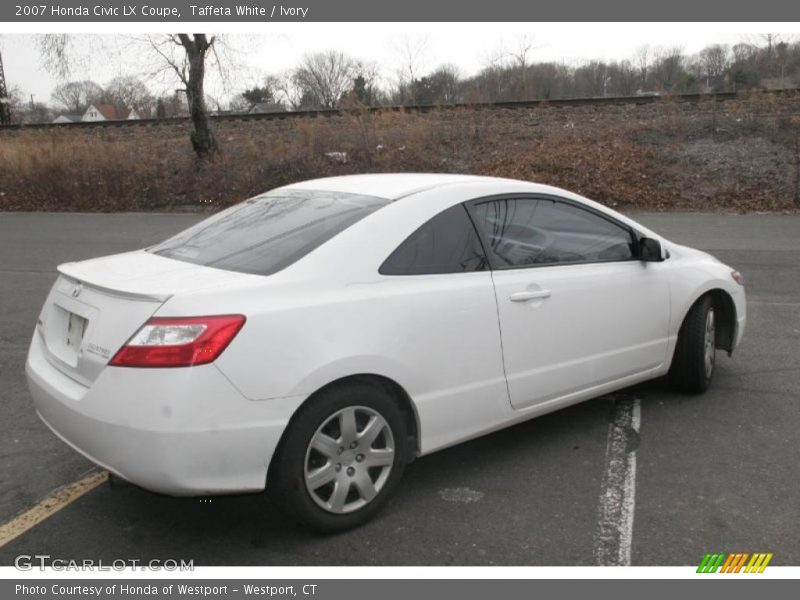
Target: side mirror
x,y
650,250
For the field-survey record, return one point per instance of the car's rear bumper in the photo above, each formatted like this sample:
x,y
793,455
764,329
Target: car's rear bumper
x,y
181,431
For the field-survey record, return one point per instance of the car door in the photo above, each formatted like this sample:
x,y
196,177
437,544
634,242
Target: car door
x,y
577,309
440,313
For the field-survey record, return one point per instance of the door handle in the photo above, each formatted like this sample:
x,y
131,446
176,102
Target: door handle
x,y
525,296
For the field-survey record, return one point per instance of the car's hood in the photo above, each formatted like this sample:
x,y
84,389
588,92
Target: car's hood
x,y
689,252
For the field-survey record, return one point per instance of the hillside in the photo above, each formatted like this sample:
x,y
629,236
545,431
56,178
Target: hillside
x,y
739,155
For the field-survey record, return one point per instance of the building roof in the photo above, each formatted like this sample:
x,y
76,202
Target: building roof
x,y
67,118
111,112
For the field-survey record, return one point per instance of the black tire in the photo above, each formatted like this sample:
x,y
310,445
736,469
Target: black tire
x,y
287,480
690,371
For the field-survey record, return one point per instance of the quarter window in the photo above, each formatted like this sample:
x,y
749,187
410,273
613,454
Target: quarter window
x,y
448,243
523,231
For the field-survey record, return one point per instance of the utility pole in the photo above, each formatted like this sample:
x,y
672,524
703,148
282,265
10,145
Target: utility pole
x,y
5,107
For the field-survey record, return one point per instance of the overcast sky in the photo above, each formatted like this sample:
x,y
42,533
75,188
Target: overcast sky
x,y
469,46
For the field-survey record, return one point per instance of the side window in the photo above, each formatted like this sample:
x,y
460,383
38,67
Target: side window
x,y
522,232
448,243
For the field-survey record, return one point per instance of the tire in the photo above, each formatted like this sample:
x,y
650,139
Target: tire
x,y
329,479
694,359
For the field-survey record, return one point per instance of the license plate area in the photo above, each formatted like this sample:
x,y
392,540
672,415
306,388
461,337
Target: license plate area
x,y
65,330
76,328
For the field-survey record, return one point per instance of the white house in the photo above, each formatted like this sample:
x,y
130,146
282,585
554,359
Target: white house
x,y
67,118
103,111
266,107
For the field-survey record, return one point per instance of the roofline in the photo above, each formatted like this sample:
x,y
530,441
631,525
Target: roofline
x,y
448,179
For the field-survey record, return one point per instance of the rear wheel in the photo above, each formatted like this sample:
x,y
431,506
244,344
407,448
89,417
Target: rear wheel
x,y
695,353
342,457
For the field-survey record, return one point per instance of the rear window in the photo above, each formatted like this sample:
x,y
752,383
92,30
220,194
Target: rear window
x,y
269,232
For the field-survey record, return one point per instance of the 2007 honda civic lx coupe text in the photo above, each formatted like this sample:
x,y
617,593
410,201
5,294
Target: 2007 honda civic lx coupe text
x,y
315,339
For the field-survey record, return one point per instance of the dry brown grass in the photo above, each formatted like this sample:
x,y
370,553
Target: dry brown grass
x,y
739,157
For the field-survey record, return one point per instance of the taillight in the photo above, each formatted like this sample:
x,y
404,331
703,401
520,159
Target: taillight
x,y
178,341
737,277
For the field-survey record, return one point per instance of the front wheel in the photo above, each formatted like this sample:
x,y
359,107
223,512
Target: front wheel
x,y
342,457
695,352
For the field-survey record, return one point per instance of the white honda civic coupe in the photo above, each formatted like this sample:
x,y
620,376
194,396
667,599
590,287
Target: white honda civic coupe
x,y
315,339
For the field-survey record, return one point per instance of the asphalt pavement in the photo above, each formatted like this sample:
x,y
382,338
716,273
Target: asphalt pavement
x,y
717,472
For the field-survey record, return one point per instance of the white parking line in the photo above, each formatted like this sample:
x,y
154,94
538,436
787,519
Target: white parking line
x,y
614,535
53,503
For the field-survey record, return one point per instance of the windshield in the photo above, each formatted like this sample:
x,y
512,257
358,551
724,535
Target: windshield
x,y
269,232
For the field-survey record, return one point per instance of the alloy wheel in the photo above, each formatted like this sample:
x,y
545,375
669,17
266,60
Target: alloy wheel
x,y
709,343
349,459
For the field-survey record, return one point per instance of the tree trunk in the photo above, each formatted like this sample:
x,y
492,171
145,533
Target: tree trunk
x,y
202,137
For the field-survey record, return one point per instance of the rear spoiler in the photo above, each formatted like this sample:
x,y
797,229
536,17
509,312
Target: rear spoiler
x,y
72,272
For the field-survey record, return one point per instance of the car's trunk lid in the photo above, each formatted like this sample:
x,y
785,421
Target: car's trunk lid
x,y
95,306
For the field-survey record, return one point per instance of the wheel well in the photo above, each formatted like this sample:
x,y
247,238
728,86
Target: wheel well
x,y
394,389
725,311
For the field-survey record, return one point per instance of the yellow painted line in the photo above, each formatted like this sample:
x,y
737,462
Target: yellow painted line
x,y
753,567
63,496
766,562
751,563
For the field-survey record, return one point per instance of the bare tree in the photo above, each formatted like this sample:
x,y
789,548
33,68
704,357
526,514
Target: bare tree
x,y
743,53
550,79
189,65
412,60
287,92
522,50
641,60
772,40
743,72
365,90
216,103
171,105
593,78
521,60
56,51
76,96
129,92
25,110
250,97
668,68
14,100
714,62
182,54
622,78
441,86
782,58
324,77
